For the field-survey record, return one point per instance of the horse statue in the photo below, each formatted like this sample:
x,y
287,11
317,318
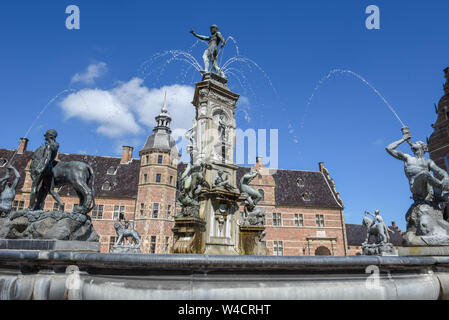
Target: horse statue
x,y
74,173
379,230
124,232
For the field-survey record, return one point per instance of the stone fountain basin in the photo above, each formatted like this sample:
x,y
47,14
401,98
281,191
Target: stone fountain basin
x,y
79,275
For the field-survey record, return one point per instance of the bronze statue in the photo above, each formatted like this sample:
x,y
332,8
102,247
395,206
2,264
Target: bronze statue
x,y
8,190
127,232
376,227
48,174
423,185
42,163
253,196
221,182
211,54
425,219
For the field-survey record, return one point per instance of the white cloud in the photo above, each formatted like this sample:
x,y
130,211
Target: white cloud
x,y
92,72
124,109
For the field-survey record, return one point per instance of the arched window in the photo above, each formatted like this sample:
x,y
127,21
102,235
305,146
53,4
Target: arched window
x,y
263,194
106,186
322,251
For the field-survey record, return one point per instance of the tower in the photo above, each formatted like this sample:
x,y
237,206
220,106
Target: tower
x,y
210,224
438,143
156,195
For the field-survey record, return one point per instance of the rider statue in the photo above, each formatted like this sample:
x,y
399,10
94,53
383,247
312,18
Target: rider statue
x,y
211,54
384,236
8,190
42,163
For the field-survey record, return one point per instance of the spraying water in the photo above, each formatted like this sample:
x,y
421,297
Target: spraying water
x,y
343,71
39,116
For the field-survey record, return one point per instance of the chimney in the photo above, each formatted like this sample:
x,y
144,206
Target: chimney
x,y
395,227
22,145
127,154
321,166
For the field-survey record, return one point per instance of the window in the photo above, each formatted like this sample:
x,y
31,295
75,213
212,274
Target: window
x,y
278,248
111,171
319,218
153,244
168,211
155,210
262,194
167,243
306,196
277,219
145,178
57,207
171,179
300,182
147,159
299,220
158,178
142,209
119,212
17,205
106,186
97,212
160,159
112,241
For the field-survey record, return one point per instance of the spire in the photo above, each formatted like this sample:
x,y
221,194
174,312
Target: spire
x,y
163,119
164,106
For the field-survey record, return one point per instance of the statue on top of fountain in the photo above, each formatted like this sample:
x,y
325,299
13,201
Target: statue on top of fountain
x,y
425,222
211,54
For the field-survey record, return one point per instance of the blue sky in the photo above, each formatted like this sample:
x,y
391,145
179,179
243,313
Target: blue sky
x,y
296,43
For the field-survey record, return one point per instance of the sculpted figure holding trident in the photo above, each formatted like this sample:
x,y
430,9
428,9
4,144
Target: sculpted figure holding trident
x,y
423,185
211,54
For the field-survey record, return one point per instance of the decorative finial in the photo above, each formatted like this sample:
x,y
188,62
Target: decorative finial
x,y
164,106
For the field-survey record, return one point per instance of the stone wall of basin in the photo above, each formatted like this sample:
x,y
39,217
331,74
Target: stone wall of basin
x,y
42,275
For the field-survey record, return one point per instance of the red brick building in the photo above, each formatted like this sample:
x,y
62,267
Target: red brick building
x,y
438,142
304,211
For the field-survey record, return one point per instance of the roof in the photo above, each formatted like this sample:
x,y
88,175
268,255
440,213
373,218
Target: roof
x,y
356,234
125,180
161,140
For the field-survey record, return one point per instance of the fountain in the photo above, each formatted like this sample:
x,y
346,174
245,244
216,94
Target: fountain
x,y
218,253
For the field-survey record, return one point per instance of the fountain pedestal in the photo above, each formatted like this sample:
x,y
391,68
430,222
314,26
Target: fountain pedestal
x,y
189,235
250,241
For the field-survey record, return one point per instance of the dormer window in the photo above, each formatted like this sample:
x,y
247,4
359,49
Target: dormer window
x,y
106,186
111,171
306,196
3,161
300,182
